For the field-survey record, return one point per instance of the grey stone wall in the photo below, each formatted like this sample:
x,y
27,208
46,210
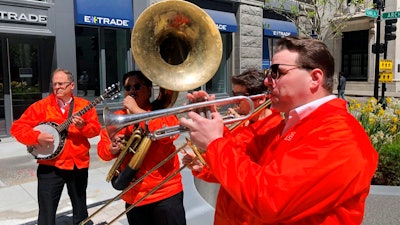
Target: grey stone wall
x,y
248,39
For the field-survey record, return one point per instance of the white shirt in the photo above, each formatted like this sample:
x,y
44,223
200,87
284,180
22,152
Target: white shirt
x,y
301,112
63,105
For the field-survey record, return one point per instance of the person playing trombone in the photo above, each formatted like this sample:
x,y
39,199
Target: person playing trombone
x,y
314,166
250,82
165,205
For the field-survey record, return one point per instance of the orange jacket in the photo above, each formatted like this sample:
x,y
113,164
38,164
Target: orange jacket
x,y
319,172
76,147
157,152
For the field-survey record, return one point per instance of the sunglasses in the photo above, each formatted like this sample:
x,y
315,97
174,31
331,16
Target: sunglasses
x,y
275,73
240,94
134,87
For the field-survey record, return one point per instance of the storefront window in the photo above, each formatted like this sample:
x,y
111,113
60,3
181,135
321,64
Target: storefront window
x,y
219,82
25,87
102,58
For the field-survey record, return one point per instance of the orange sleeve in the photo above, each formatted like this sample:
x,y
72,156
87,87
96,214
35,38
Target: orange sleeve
x,y
22,128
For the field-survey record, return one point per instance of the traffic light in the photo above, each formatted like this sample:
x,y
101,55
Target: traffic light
x,y
390,27
379,4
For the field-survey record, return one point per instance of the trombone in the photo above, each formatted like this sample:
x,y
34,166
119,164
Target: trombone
x,y
115,123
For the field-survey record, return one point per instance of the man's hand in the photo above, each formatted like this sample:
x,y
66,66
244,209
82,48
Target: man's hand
x,y
78,122
190,160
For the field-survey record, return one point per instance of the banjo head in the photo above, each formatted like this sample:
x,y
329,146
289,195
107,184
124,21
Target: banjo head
x,y
50,151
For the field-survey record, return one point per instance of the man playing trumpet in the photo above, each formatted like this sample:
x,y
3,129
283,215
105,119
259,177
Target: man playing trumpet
x,y
312,167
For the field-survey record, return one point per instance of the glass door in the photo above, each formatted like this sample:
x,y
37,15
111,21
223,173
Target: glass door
x,y
25,73
23,58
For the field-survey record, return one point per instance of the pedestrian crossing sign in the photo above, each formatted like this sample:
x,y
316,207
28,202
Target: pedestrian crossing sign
x,y
386,76
385,64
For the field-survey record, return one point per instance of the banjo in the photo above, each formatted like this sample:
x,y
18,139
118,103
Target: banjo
x,y
59,132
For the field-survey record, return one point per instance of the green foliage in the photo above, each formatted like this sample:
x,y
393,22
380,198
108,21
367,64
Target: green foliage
x,y
388,172
324,18
23,88
383,128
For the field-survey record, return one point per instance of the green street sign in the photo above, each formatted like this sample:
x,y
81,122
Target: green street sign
x,y
391,15
371,13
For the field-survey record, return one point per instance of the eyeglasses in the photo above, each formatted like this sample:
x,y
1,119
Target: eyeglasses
x,y
61,84
134,87
240,93
275,73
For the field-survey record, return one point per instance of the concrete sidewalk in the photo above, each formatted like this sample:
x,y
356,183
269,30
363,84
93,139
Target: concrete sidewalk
x,y
19,199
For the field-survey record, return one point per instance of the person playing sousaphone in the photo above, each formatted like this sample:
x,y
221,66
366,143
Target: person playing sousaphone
x,y
166,203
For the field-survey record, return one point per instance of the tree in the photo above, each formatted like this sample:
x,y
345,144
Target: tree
x,y
321,19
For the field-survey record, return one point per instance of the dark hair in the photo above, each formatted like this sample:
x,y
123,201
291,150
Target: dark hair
x,y
313,54
252,79
139,75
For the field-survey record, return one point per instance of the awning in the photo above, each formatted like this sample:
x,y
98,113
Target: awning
x,y
225,21
116,13
278,28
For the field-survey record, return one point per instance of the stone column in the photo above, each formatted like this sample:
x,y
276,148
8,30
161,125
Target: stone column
x,y
249,37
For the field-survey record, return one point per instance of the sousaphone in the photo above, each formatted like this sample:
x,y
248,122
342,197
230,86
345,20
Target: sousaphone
x,y
176,45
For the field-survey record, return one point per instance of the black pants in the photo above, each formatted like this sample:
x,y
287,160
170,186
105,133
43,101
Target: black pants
x,y
51,182
169,211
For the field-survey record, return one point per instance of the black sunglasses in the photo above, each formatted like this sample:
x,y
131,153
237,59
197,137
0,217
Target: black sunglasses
x,y
240,94
134,87
275,74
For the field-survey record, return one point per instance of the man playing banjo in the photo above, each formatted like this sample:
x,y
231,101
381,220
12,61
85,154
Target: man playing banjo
x,y
70,165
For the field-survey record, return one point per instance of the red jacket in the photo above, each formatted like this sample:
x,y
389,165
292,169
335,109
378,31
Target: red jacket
x,y
319,172
76,147
157,152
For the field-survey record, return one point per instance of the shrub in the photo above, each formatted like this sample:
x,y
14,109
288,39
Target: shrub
x,y
383,128
388,172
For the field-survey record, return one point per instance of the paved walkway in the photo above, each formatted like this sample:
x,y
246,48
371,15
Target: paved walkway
x,y
19,202
18,188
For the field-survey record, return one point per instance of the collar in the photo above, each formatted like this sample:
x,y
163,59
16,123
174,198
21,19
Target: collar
x,y
303,111
63,105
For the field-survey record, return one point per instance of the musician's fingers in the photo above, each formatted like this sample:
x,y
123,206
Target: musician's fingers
x,y
186,122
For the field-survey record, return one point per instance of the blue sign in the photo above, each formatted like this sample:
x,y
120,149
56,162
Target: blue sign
x,y
266,64
115,13
279,28
225,21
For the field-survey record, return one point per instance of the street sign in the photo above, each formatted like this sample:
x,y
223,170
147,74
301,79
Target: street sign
x,y
386,76
391,15
385,64
371,13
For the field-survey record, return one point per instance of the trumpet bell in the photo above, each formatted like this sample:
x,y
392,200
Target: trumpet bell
x,y
176,45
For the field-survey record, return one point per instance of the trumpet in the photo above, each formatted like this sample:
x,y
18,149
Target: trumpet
x,y
115,123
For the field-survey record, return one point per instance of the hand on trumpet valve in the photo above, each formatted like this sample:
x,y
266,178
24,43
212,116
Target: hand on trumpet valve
x,y
201,96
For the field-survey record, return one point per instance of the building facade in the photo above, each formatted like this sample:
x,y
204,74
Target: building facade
x,y
354,51
92,38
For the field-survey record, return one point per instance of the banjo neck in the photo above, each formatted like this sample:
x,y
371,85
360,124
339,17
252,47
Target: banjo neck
x,y
60,128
